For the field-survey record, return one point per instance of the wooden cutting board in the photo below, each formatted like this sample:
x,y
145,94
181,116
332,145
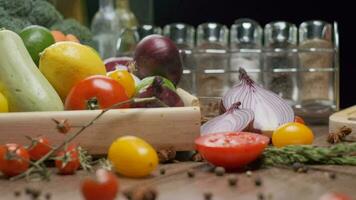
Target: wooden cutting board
x,y
346,117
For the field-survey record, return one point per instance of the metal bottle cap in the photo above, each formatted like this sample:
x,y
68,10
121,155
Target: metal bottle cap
x,y
315,29
280,33
180,33
146,29
245,32
212,33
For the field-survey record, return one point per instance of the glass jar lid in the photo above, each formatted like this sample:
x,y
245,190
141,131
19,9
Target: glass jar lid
x,y
246,32
180,33
280,32
212,33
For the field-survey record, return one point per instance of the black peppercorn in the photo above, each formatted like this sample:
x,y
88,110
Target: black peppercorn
x,y
232,180
260,196
162,171
219,171
17,193
332,176
296,166
48,196
258,181
208,195
190,173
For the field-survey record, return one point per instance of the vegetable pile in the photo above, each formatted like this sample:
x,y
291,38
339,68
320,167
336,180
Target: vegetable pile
x,y
16,15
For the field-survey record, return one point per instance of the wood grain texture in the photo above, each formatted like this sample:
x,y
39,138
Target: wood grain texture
x,y
162,127
346,117
277,183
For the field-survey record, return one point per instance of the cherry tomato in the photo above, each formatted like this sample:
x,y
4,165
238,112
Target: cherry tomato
x,y
14,159
231,150
334,196
132,156
105,187
67,161
4,107
299,119
124,78
292,133
40,148
95,92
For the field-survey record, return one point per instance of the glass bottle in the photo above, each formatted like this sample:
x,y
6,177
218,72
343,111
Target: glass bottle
x,y
183,35
281,60
316,59
245,46
212,61
126,16
106,29
147,29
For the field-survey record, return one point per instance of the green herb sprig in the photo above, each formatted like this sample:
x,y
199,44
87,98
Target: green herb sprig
x,y
339,154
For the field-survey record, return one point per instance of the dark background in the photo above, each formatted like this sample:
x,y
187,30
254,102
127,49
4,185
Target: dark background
x,y
195,12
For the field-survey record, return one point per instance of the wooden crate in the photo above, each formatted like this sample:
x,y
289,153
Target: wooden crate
x,y
161,127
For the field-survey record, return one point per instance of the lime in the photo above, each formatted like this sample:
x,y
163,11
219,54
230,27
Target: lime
x,y
36,39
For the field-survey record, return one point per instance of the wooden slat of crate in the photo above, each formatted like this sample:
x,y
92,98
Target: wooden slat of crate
x,y
162,127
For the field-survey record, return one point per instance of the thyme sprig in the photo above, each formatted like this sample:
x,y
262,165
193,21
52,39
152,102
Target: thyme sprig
x,y
338,154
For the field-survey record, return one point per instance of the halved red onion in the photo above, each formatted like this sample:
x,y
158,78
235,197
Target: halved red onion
x,y
114,63
269,109
234,120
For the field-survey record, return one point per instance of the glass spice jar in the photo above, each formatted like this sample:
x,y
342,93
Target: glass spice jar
x,y
281,60
183,35
245,49
147,29
212,63
316,77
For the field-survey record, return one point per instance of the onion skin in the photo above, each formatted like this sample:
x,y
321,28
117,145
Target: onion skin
x,y
234,120
158,55
269,109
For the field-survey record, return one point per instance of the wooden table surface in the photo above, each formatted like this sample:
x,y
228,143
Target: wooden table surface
x,y
277,184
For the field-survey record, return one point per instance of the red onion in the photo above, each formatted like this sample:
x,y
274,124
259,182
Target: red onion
x,y
158,55
270,110
234,120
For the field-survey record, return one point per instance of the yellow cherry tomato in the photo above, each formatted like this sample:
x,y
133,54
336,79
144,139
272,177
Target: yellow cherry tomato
x,y
292,133
4,107
133,157
125,79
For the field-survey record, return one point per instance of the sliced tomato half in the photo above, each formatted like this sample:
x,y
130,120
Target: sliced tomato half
x,y
231,150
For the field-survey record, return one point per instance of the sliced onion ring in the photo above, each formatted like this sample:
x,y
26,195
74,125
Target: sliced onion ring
x,y
234,120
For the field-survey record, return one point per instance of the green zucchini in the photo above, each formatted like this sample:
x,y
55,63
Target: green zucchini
x,y
24,86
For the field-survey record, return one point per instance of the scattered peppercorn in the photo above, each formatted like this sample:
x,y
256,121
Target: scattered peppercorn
x,y
48,196
141,193
208,195
258,181
219,171
162,171
303,169
17,193
248,173
260,196
332,176
232,180
190,173
296,166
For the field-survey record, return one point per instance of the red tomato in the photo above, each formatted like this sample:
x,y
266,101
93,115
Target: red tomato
x,y
299,120
105,187
334,196
40,148
14,159
231,150
95,92
67,161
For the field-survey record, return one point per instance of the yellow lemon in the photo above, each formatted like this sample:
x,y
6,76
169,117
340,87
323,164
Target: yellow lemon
x,y
125,79
66,63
